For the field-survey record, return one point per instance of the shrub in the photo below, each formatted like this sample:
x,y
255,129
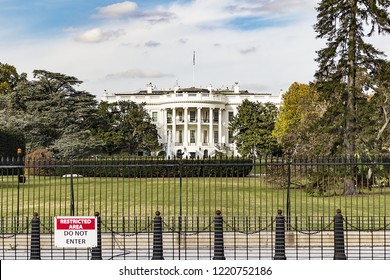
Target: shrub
x,y
150,167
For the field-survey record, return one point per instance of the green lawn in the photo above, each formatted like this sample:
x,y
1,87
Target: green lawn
x,y
249,196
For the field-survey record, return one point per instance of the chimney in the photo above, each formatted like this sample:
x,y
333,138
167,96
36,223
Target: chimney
x,y
149,88
236,88
176,87
210,88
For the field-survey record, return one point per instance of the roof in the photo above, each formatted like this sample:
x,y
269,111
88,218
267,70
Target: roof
x,y
193,89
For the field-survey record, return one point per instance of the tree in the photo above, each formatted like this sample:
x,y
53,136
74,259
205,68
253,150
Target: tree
x,y
381,101
252,128
374,132
49,108
10,142
126,126
9,78
345,24
299,111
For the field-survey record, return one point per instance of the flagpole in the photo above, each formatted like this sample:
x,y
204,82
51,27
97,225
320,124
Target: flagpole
x,y
193,69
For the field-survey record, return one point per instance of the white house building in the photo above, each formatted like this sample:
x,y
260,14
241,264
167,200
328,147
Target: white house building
x,y
193,121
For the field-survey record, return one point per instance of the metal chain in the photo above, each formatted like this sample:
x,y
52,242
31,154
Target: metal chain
x,y
184,233
48,229
19,232
311,232
144,230
249,232
365,230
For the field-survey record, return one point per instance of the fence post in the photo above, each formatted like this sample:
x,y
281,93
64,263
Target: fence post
x,y
280,247
157,237
219,250
97,251
35,238
339,250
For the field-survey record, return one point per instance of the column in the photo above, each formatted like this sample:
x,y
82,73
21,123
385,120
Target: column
x,y
220,126
165,123
173,128
211,132
199,128
185,136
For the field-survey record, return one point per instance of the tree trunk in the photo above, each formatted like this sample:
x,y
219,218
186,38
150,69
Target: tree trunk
x,y
349,134
350,118
349,187
386,123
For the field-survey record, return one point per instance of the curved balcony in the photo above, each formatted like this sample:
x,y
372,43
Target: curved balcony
x,y
193,98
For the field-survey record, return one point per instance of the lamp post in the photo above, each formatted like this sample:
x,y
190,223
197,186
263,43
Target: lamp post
x,y
20,178
288,206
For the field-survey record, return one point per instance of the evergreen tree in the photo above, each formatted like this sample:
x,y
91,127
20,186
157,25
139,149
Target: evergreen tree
x,y
50,108
345,24
374,132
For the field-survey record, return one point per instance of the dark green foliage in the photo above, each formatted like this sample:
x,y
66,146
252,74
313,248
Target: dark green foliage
x,y
126,127
52,113
345,24
253,126
151,167
10,142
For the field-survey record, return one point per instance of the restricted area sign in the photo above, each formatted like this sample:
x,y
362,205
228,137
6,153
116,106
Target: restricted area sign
x,y
75,232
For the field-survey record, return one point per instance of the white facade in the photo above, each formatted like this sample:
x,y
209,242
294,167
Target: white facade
x,y
193,121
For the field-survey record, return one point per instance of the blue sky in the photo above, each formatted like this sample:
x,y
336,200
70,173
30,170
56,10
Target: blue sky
x,y
119,46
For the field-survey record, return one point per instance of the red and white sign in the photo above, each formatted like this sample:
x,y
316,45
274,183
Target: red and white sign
x,y
75,232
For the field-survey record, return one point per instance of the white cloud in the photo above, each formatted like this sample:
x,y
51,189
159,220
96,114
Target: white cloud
x,y
248,50
97,35
152,44
268,8
275,55
118,10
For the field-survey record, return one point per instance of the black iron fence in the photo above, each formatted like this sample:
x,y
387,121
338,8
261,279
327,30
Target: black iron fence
x,y
186,194
196,238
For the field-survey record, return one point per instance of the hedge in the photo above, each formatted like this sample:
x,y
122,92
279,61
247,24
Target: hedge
x,y
140,167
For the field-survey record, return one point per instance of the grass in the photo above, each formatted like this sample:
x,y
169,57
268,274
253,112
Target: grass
x,y
125,197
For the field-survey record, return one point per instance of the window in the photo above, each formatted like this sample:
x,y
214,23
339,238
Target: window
x,y
192,116
204,136
231,137
169,116
215,116
180,136
215,136
180,115
192,136
231,115
205,116
154,116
